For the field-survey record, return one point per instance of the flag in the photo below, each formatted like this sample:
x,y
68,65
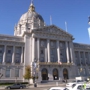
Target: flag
x,y
60,63
89,32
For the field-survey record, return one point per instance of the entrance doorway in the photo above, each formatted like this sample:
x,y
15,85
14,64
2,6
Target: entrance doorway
x,y
55,74
44,74
65,73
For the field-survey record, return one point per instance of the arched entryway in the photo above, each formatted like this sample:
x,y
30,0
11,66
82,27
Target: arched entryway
x,y
65,73
55,74
44,74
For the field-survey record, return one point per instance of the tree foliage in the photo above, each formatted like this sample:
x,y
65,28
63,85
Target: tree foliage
x,y
27,73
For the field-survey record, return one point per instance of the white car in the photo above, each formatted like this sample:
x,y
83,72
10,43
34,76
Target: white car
x,y
78,87
75,82
57,88
70,84
74,87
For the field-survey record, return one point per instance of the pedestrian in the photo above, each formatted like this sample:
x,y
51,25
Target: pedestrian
x,y
84,86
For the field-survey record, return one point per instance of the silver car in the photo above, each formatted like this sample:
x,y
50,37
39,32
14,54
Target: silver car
x,y
16,86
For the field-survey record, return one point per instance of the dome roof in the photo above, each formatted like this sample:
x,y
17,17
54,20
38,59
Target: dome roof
x,y
31,14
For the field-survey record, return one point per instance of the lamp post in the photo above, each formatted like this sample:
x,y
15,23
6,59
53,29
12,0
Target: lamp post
x,y
35,67
81,69
1,75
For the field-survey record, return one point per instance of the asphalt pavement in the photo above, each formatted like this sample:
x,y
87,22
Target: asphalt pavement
x,y
45,86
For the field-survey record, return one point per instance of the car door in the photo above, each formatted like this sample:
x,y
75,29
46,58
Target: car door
x,y
13,86
18,85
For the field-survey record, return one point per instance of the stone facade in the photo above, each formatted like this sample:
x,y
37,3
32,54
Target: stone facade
x,y
53,50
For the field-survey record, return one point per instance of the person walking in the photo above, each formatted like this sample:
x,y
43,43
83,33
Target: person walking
x,y
84,86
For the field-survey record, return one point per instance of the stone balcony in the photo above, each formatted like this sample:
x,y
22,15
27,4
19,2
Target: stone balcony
x,y
55,63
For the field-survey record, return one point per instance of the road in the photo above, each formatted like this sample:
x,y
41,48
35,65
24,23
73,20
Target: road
x,y
37,88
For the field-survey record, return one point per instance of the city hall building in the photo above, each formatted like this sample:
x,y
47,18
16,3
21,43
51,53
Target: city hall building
x,y
49,50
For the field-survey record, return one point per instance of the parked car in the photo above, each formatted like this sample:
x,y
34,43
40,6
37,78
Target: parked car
x,y
16,86
74,87
75,82
57,88
78,87
70,84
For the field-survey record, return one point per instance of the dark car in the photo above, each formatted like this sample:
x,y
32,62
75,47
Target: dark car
x,y
16,86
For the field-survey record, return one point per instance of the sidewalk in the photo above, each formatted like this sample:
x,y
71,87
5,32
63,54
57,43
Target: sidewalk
x,y
2,87
44,85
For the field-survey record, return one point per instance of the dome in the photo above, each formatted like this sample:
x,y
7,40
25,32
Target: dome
x,y
31,14
29,21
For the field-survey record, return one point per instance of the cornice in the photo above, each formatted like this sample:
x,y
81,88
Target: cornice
x,y
11,43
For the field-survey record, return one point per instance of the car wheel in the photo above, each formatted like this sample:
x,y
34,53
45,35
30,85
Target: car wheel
x,y
8,88
21,87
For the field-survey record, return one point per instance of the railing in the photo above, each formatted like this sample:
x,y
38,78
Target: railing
x,y
54,63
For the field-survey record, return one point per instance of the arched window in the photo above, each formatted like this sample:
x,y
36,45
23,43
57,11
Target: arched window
x,y
44,71
45,74
55,74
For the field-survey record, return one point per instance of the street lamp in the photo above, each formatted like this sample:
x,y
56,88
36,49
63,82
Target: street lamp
x,y
35,67
1,75
81,69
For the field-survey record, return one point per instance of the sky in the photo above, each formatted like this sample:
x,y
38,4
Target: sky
x,y
74,12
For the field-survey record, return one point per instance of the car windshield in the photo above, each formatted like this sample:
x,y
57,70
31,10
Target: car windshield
x,y
73,85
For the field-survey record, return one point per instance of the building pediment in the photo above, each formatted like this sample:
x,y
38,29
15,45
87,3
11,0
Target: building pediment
x,y
54,30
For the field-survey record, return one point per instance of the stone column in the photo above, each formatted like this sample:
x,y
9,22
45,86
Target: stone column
x,y
84,58
33,49
22,55
67,52
58,51
88,58
13,55
79,56
38,49
71,52
4,55
48,49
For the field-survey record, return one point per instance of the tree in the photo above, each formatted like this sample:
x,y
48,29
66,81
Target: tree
x,y
27,73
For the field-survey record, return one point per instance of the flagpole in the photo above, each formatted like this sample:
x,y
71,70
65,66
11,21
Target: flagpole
x,y
50,20
89,26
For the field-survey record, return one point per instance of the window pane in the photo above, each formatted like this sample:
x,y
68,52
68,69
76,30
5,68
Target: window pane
x,y
16,72
7,73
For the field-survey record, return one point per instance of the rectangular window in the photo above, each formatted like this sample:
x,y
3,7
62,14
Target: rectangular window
x,y
42,59
42,43
42,52
52,51
17,72
1,53
52,59
7,74
18,55
9,50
